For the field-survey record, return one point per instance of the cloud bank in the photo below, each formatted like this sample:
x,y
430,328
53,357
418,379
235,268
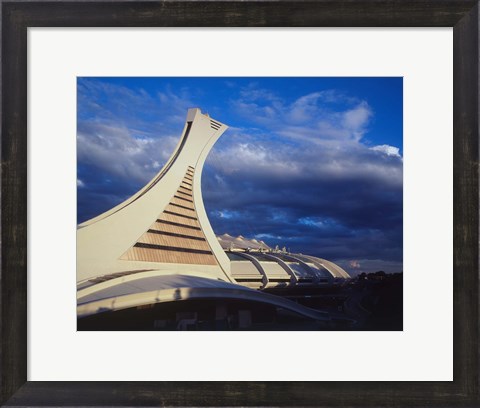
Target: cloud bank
x,y
296,172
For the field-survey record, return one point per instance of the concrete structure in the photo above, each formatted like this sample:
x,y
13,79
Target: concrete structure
x,y
254,264
164,226
158,246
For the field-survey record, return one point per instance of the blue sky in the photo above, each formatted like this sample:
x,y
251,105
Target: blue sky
x,y
333,186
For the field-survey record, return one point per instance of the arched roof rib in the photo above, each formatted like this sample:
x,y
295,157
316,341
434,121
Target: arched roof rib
x,y
178,288
300,271
334,269
316,269
299,266
339,270
320,267
257,265
284,266
315,274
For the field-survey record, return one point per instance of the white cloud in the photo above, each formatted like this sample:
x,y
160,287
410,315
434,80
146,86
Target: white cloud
x,y
310,222
358,117
267,236
177,103
388,150
325,129
304,108
80,183
116,152
357,266
317,116
252,158
301,161
226,214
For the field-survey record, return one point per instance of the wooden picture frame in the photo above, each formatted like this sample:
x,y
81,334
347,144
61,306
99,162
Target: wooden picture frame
x,y
17,16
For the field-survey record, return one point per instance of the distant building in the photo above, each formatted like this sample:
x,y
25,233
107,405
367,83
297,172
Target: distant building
x,y
155,261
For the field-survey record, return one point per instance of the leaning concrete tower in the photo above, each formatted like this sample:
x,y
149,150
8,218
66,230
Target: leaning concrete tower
x,y
157,249
164,227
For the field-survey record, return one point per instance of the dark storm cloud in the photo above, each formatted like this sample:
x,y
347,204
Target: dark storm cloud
x,y
313,198
121,142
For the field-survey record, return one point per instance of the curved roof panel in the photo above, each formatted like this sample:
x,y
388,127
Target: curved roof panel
x,y
285,266
228,242
173,288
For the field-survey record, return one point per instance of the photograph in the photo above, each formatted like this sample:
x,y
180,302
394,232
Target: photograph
x,y
239,204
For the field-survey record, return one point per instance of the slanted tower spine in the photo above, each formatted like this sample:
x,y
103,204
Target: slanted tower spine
x,y
164,227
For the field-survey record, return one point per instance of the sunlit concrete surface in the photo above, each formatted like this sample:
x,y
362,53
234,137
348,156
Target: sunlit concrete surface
x,y
158,247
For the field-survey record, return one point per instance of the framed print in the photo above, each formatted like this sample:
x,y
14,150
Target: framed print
x,y
84,88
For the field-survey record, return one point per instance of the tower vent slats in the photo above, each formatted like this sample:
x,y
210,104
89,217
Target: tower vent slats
x,y
178,213
172,248
188,204
179,220
183,199
176,236
184,193
189,190
215,125
155,255
181,206
174,241
175,224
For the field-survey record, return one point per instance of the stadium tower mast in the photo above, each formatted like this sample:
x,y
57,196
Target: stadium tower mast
x,y
164,226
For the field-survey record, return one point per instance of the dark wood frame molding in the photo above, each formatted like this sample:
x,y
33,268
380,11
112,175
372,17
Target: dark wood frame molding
x,y
17,16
